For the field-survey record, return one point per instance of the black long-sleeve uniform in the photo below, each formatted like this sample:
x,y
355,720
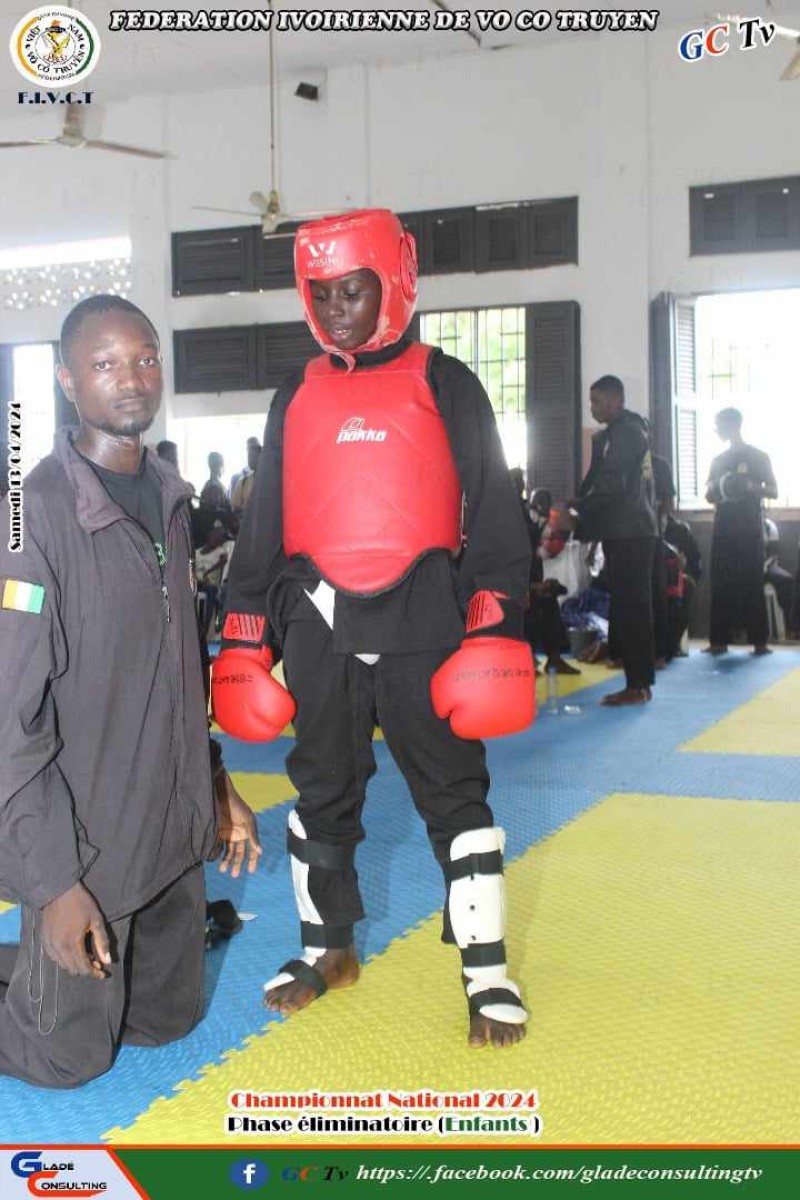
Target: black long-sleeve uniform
x,y
737,548
414,626
617,507
104,764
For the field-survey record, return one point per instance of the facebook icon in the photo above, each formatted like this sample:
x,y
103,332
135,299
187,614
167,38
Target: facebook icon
x,y
249,1174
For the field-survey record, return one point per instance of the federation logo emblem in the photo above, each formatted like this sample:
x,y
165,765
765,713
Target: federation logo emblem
x,y
55,46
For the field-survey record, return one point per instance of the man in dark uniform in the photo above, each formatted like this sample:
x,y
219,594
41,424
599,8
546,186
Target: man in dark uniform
x,y
739,479
106,795
616,505
350,562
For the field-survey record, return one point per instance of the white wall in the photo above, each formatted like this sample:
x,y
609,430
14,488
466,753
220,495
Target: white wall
x,y
715,122
616,119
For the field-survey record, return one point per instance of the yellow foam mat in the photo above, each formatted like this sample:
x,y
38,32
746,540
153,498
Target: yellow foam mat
x,y
590,674
767,724
263,791
655,941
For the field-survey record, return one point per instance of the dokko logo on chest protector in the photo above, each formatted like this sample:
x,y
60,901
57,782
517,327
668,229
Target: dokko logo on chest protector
x,y
354,430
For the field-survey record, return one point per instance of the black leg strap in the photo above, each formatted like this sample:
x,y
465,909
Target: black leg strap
x,y
319,854
484,954
490,863
495,995
303,973
325,937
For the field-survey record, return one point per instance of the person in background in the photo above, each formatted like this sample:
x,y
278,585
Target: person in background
x,y
774,573
617,505
213,496
242,484
793,627
739,480
680,543
543,623
167,451
665,580
211,562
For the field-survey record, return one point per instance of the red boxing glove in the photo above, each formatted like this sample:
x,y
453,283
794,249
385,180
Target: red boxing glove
x,y
487,688
246,701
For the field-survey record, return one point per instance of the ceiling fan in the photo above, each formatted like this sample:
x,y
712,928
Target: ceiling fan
x,y
792,70
73,137
269,206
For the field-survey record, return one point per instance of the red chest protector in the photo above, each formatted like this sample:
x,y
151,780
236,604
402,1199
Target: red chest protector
x,y
369,481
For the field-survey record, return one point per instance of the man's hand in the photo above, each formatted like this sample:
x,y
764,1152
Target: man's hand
x,y
237,833
74,933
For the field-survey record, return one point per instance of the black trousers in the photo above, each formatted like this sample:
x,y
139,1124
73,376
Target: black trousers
x,y
339,701
661,621
59,1030
544,626
629,566
737,590
680,614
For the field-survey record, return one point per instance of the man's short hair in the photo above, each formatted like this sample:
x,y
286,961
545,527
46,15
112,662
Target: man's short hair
x,y
730,416
254,441
611,385
92,306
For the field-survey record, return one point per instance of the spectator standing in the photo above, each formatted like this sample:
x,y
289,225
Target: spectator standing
x,y
242,484
617,506
739,479
213,495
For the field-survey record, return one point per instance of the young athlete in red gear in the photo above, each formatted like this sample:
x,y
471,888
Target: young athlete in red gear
x,y
352,562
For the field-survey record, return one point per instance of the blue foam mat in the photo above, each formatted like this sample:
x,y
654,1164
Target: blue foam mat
x,y
540,780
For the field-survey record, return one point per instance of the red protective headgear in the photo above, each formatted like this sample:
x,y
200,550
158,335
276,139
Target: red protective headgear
x,y
372,239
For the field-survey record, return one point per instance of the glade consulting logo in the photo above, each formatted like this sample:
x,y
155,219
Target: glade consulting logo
x,y
55,46
40,1174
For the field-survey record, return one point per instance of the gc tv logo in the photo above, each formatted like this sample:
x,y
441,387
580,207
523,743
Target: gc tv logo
x,y
715,41
43,1176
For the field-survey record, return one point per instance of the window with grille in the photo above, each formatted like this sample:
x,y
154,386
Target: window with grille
x,y
746,359
492,343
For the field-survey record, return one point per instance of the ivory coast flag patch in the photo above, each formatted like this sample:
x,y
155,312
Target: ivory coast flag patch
x,y
24,597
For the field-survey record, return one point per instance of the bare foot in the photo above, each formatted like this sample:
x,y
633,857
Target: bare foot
x,y
339,969
483,1031
627,696
561,666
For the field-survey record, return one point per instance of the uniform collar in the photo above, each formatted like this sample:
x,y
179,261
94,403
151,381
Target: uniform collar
x,y
374,358
94,507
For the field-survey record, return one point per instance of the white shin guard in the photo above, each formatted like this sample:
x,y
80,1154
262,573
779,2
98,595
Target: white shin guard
x,y
476,908
307,910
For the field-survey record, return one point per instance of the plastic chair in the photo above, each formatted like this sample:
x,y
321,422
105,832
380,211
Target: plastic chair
x,y
777,625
